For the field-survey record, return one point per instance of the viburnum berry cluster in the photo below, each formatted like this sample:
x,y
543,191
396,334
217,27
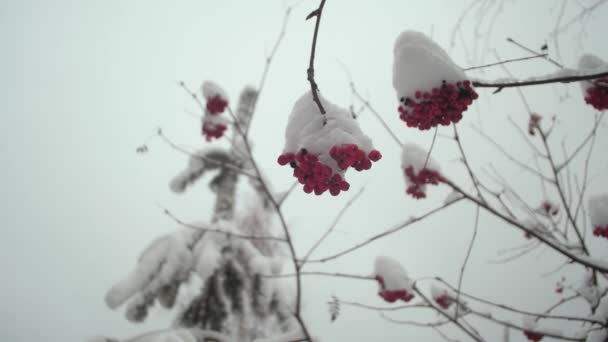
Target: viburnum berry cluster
x,y
392,296
600,231
321,148
394,283
431,88
533,123
533,336
441,297
530,329
597,95
214,124
595,92
440,106
419,170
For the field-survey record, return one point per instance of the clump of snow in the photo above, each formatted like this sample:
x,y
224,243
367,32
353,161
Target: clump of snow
x,y
452,197
165,259
211,90
601,313
598,213
442,296
595,92
598,210
293,335
432,89
393,280
599,335
320,148
419,169
588,290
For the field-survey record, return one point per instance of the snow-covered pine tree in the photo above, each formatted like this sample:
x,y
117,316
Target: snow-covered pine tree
x,y
213,275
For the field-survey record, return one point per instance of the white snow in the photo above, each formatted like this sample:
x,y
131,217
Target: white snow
x,y
165,258
452,197
415,156
598,210
600,335
294,335
200,161
210,89
601,313
392,272
590,62
420,64
305,129
588,290
437,291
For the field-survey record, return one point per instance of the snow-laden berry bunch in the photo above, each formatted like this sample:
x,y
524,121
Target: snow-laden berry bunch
x,y
595,92
442,297
320,148
431,88
530,327
598,213
394,283
213,123
419,170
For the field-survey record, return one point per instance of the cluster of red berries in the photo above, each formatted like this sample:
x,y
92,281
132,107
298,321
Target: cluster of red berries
x,y
211,130
601,231
533,123
318,177
442,105
216,105
533,336
424,176
314,175
350,155
597,95
392,296
549,209
443,301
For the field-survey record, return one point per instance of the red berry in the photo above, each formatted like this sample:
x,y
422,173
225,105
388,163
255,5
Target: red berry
x,y
216,105
375,155
533,336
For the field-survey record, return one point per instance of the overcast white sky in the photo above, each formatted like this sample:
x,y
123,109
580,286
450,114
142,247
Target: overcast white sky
x,y
86,82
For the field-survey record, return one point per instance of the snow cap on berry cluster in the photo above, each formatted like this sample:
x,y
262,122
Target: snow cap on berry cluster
x,y
321,148
213,124
305,129
210,90
589,62
596,92
394,276
530,326
598,210
415,157
421,64
431,88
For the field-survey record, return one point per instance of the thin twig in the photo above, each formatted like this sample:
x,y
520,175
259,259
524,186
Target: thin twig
x,y
314,88
466,259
